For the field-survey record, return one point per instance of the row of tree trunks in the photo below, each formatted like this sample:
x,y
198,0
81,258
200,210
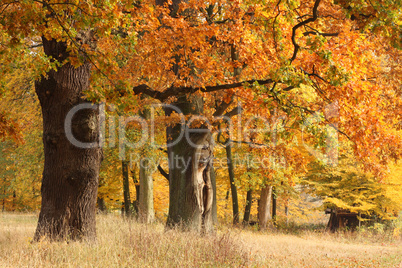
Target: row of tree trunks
x,y
144,203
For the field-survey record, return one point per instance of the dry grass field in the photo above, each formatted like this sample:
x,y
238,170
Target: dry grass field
x,y
124,243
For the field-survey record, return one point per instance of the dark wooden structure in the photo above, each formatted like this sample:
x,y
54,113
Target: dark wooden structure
x,y
342,219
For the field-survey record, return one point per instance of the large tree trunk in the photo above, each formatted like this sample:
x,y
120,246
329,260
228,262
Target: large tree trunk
x,y
70,175
235,200
264,207
190,162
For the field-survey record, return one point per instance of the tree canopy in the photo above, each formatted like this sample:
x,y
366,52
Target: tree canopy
x,y
304,80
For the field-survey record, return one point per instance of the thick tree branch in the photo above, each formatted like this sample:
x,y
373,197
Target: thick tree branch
x,y
6,5
235,111
289,88
300,24
179,91
222,106
252,144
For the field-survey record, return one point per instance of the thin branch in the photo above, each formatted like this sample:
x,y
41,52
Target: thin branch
x,y
318,33
325,119
163,172
35,46
69,4
6,6
314,74
250,143
330,16
320,92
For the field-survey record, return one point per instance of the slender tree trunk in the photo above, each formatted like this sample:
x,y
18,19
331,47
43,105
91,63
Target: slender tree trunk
x,y
71,174
264,208
4,200
214,203
14,200
287,212
235,201
247,208
101,205
137,191
146,205
273,204
190,162
126,188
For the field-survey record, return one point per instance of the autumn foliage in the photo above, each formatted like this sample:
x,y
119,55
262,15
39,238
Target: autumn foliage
x,y
308,76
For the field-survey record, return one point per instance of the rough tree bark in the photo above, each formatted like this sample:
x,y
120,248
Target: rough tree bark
x,y
190,162
146,211
71,174
264,207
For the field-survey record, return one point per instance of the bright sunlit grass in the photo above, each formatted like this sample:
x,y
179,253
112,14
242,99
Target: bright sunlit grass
x,y
124,243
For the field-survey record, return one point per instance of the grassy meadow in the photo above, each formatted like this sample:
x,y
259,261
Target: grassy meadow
x,y
123,243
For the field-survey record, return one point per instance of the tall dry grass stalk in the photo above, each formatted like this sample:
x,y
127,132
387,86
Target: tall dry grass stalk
x,y
123,243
